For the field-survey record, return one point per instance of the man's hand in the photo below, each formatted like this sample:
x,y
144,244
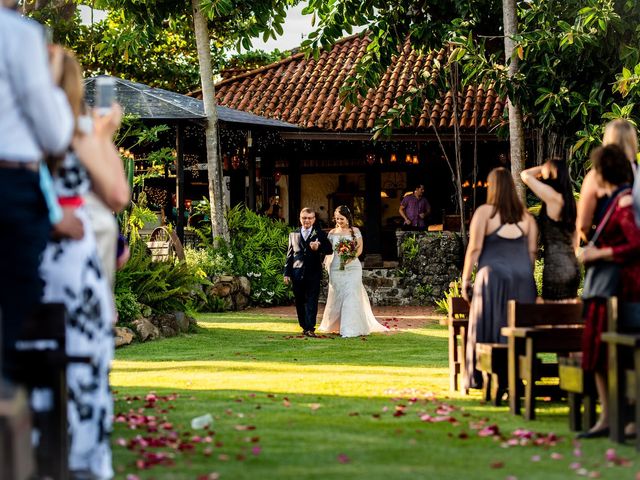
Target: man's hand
x,y
314,245
407,221
286,280
70,226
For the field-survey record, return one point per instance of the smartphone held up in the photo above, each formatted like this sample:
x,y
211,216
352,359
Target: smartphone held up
x,y
105,94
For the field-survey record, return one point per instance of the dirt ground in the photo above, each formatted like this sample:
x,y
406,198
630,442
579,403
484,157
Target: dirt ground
x,y
401,317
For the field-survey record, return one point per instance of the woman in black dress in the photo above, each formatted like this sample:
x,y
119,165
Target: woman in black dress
x,y
551,183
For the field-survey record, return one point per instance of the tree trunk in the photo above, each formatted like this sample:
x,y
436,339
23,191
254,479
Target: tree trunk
x,y
214,168
516,129
455,88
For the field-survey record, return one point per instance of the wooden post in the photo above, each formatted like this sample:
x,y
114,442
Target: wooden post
x,y
373,205
179,184
295,191
251,168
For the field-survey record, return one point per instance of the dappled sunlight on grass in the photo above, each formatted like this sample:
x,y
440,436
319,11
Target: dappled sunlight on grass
x,y
280,327
326,379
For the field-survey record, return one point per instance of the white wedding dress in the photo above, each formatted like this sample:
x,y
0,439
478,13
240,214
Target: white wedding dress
x,y
348,310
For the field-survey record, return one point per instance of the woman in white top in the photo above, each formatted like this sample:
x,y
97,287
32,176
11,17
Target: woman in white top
x,y
348,310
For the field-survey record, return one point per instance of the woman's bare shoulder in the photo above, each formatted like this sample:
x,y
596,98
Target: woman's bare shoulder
x,y
483,211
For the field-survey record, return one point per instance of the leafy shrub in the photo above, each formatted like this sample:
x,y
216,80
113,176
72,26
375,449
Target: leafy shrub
x,y
257,250
410,248
442,305
207,262
127,305
163,286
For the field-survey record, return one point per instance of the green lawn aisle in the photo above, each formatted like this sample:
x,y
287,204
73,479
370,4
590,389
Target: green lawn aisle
x,y
289,407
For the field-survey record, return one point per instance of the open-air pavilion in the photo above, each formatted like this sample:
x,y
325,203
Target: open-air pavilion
x,y
186,115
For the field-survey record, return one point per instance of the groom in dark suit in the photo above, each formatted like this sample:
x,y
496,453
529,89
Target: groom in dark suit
x,y
303,269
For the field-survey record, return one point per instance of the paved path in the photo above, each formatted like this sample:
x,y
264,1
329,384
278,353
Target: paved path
x,y
403,317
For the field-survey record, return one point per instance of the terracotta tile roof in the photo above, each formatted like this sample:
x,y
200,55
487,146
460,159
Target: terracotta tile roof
x,y
305,91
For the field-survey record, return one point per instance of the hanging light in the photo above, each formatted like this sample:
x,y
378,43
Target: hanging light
x,y
393,158
408,159
370,158
415,160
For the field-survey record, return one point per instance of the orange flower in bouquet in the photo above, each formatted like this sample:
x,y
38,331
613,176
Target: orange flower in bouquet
x,y
346,249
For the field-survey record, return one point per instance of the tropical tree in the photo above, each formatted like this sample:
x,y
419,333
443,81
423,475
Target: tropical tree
x,y
516,129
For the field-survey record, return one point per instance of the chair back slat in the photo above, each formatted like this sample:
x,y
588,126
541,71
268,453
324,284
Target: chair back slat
x,y
532,314
458,308
623,317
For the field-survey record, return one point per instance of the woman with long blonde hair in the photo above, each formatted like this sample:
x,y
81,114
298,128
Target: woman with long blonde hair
x,y
618,132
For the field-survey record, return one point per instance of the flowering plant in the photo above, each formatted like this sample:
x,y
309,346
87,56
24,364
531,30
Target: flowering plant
x,y
346,249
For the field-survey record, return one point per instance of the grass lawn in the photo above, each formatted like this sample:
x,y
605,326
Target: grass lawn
x,y
288,407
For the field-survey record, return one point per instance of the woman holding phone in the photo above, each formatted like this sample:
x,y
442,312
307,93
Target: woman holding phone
x,y
73,275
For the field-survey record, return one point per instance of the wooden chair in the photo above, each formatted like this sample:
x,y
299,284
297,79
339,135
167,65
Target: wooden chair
x,y
457,321
623,340
532,329
581,392
42,363
492,360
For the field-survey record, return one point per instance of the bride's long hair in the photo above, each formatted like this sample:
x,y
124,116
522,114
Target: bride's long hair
x,y
346,213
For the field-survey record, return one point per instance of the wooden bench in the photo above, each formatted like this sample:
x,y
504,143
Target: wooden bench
x,y
532,329
164,245
42,361
623,340
457,321
581,392
492,360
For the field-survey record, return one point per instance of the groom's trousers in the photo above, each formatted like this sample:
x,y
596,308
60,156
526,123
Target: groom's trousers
x,y
306,292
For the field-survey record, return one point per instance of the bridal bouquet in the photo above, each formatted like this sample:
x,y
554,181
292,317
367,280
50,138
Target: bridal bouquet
x,y
346,249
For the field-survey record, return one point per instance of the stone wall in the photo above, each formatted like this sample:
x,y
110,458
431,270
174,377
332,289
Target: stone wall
x,y
430,261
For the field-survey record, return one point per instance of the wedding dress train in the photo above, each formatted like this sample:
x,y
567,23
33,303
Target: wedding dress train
x,y
348,310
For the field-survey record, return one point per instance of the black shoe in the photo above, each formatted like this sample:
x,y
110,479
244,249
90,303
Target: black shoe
x,y
312,334
603,432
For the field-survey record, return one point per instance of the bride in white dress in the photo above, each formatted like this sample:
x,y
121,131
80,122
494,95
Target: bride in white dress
x,y
348,310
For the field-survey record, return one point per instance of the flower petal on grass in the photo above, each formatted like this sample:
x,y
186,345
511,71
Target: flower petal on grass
x,y
342,458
